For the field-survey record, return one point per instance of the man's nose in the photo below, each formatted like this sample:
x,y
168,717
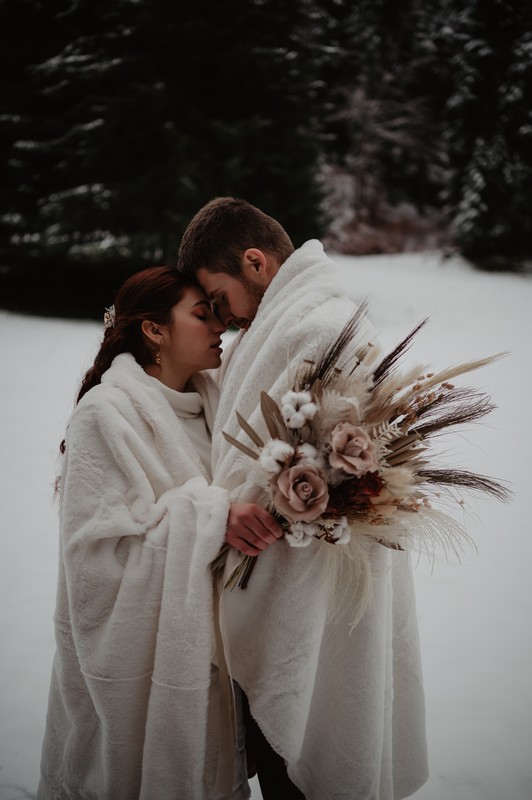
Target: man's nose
x,y
227,318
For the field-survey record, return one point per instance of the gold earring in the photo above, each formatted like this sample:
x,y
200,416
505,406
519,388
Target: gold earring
x,y
158,357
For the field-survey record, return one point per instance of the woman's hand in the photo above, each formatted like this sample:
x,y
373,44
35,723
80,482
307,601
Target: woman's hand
x,y
251,529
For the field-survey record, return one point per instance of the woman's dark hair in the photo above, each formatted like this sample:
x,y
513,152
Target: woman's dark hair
x,y
146,295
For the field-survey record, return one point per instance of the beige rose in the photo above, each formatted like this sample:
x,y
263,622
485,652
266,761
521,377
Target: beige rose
x,y
300,492
352,450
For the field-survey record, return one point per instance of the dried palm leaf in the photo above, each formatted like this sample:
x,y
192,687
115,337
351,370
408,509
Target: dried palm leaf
x,y
247,450
272,415
253,435
403,442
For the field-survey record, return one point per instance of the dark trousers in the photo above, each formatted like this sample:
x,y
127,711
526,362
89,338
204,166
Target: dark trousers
x,y
269,766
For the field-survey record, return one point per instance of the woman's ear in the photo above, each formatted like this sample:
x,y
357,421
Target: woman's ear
x,y
152,332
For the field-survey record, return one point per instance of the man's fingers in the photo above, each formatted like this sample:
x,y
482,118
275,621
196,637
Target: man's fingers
x,y
259,521
249,548
244,542
270,525
256,536
250,528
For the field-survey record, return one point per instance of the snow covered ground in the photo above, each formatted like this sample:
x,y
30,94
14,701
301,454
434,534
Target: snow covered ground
x,y
475,616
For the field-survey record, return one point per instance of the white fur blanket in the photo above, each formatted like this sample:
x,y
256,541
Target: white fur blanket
x,y
346,711
133,706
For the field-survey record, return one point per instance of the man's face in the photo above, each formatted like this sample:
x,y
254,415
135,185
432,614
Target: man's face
x,y
236,299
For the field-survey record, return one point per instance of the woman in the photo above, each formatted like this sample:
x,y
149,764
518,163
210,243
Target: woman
x,y
133,707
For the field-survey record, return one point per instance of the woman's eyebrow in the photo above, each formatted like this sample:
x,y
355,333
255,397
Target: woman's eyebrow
x,y
202,303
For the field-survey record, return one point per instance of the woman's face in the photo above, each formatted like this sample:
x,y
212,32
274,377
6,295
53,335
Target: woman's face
x,y
192,340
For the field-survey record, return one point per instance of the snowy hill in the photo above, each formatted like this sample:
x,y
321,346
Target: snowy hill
x,y
474,616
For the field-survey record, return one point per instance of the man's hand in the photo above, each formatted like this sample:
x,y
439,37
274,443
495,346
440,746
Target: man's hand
x,y
251,529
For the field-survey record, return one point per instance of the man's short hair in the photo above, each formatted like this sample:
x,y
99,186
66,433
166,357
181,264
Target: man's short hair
x,y
222,230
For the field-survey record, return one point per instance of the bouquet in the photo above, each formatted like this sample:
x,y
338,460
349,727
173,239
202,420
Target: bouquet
x,y
351,448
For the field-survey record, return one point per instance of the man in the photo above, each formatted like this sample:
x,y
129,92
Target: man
x,y
342,708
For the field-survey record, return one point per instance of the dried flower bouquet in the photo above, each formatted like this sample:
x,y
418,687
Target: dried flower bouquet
x,y
352,451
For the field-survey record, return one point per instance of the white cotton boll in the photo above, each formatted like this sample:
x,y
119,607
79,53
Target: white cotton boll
x,y
300,529
304,542
296,531
296,420
309,410
308,454
288,411
341,533
275,455
344,538
301,534
297,408
288,399
296,399
306,451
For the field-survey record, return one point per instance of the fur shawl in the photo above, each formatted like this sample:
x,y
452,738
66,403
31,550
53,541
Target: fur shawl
x,y
133,705
345,709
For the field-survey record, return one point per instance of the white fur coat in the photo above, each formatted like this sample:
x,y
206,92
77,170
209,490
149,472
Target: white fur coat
x,y
133,705
345,710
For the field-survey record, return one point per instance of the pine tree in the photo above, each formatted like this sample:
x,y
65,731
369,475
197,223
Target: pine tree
x,y
131,115
379,122
30,35
486,125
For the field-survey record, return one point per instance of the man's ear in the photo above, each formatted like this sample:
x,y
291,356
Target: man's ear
x,y
152,332
255,262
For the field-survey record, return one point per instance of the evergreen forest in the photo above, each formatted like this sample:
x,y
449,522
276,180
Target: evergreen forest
x,y
374,125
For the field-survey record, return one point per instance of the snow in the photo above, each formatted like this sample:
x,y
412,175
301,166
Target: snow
x,y
474,616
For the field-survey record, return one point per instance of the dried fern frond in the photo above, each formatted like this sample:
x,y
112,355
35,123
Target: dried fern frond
x,y
386,432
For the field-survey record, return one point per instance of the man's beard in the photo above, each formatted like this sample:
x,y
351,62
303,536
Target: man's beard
x,y
255,295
